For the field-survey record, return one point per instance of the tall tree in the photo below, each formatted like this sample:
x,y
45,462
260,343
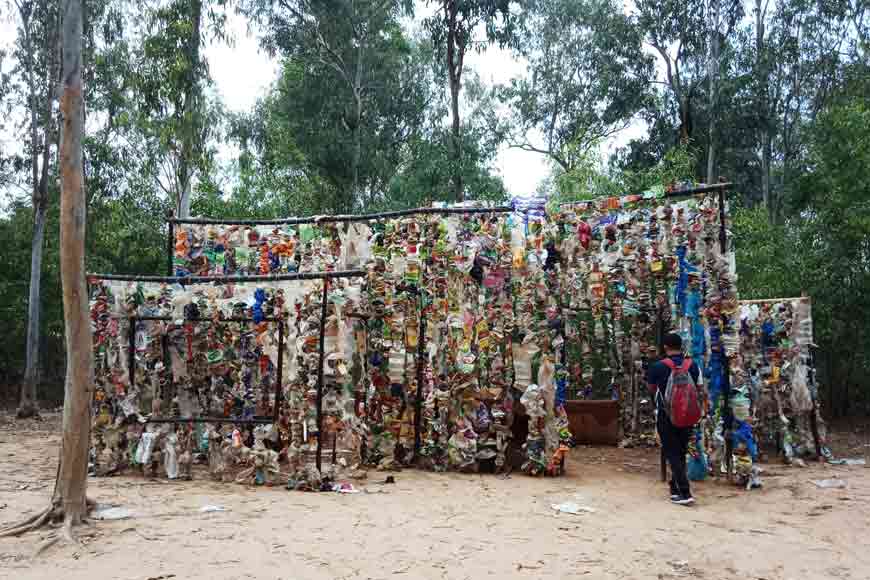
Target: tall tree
x,y
453,29
676,31
38,36
587,78
799,53
172,108
714,25
70,491
351,82
426,172
69,502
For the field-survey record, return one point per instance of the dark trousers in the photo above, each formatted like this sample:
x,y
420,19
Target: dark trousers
x,y
675,445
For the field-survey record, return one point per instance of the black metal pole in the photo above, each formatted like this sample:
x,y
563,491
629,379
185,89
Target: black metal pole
x,y
207,319
723,235
131,345
260,421
170,250
229,279
320,372
421,364
279,376
676,193
348,218
726,361
814,422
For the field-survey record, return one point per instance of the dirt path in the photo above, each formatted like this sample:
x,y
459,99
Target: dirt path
x,y
431,526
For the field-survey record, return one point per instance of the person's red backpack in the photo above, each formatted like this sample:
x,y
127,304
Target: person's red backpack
x,y
682,403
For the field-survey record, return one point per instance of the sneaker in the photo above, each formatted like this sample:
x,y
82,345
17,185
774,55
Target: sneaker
x,y
675,496
683,500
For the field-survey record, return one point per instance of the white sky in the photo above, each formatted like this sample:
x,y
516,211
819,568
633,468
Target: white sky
x,y
243,73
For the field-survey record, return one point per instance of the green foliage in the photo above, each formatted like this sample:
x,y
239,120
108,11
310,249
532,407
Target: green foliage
x,y
16,229
426,177
822,248
678,164
588,179
588,76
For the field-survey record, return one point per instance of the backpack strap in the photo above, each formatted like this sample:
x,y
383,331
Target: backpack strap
x,y
687,364
669,363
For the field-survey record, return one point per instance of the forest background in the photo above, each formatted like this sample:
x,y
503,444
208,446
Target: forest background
x,y
385,104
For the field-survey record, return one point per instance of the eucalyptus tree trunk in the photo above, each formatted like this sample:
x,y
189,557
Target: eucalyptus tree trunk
x,y
69,502
71,485
763,104
28,404
191,122
455,57
713,73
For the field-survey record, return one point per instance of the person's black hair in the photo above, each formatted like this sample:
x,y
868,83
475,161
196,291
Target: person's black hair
x,y
673,341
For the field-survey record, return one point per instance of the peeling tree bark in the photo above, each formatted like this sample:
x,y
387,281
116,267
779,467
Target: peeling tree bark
x,y
71,484
69,501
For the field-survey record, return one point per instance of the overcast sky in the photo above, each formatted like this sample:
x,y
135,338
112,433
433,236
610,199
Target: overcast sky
x,y
243,73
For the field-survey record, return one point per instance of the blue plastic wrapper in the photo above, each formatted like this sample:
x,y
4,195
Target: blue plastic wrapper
x,y
743,434
696,464
696,467
259,299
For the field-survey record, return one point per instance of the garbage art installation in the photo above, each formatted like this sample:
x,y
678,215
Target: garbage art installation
x,y
775,400
448,337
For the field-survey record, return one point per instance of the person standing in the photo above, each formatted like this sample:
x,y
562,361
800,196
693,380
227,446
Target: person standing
x,y
674,431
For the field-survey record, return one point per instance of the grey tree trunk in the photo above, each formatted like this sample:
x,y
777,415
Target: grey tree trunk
x,y
713,72
458,188
763,104
455,56
192,103
27,406
765,172
357,129
71,485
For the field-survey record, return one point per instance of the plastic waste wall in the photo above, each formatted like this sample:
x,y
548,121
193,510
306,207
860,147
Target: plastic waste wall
x,y
776,393
466,324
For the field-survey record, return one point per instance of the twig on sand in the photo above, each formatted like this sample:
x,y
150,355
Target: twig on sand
x,y
537,566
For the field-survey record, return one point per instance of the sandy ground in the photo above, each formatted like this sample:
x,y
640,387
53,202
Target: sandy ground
x,y
435,526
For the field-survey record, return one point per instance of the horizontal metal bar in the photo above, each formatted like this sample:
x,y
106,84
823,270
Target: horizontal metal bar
x,y
701,189
772,300
183,280
345,218
197,319
678,193
260,421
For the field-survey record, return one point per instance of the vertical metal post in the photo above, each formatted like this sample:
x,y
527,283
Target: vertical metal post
x,y
131,345
279,375
421,364
320,372
170,248
814,424
167,361
723,235
726,361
